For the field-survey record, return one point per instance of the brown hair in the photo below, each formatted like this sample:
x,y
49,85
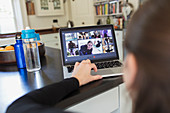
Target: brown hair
x,y
148,38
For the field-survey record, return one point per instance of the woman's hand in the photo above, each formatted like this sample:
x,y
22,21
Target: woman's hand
x,y
82,72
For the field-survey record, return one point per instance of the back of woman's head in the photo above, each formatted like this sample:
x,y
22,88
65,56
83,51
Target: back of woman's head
x,y
148,38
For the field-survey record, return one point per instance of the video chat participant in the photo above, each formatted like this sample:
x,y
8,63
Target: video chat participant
x,y
86,49
146,72
71,46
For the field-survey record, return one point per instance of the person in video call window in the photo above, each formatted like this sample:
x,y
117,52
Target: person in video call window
x,y
97,34
71,46
86,49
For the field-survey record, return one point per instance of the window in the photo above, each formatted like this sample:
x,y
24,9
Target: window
x,y
10,16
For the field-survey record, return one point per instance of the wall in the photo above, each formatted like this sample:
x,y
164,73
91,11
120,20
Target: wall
x,y
24,13
44,22
135,4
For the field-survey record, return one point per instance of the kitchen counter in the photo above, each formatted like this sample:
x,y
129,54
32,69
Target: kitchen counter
x,y
14,83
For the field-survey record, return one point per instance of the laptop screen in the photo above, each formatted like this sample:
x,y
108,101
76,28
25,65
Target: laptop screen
x,y
97,43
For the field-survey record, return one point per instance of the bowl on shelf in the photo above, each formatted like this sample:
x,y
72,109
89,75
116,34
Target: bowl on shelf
x,y
7,53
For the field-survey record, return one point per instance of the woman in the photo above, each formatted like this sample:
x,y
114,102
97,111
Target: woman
x,y
147,65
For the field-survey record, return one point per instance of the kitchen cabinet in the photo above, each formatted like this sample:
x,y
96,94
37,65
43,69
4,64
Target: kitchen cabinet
x,y
49,7
7,41
119,41
125,100
51,40
115,100
107,102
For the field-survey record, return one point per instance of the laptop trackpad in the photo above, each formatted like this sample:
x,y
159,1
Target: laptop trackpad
x,y
108,71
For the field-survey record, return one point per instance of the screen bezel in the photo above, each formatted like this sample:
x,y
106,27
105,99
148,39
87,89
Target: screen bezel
x,y
86,28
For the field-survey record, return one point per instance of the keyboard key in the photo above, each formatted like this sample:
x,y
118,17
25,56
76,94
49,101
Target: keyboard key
x,y
70,68
117,63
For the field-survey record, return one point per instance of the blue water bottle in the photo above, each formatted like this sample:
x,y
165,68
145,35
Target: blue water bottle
x,y
19,52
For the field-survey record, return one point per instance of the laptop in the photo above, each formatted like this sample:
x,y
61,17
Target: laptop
x,y
97,43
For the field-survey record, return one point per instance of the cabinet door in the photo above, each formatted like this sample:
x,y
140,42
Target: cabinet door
x,y
125,100
119,41
57,7
49,7
106,102
42,7
82,12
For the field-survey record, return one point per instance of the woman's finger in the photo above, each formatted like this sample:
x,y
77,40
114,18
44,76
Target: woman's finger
x,y
94,67
83,61
88,61
76,64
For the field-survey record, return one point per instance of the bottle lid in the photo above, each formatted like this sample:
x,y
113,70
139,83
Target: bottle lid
x,y
18,37
29,33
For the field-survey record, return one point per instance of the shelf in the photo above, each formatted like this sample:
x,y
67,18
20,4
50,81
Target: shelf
x,y
105,2
100,3
110,8
111,2
116,14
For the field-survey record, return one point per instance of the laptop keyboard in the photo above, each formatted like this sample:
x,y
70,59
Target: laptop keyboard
x,y
101,65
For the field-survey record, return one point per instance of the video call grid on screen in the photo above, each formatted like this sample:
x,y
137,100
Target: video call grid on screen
x,y
93,42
